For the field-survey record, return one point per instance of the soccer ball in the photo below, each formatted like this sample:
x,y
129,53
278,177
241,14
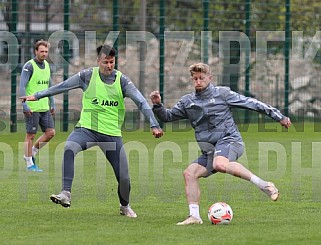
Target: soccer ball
x,y
220,213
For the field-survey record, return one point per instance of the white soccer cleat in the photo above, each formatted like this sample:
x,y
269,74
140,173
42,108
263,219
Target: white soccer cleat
x,y
190,221
127,211
63,198
271,191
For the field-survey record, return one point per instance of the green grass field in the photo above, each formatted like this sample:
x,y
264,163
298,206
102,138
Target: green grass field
x,y
290,159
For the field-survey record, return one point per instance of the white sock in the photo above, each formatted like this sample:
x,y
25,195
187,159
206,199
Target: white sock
x,y
29,161
258,182
34,151
194,210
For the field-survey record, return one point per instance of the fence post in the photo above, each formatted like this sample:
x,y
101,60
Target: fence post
x,y
66,67
13,107
115,28
247,55
161,49
161,46
286,55
205,28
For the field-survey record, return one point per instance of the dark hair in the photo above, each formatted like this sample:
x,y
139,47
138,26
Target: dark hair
x,y
43,43
107,50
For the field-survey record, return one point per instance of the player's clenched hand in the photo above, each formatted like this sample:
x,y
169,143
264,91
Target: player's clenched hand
x,y
27,113
28,98
155,97
157,132
52,111
286,122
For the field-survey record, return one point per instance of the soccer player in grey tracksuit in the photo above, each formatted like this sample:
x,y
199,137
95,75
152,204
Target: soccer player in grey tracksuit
x,y
208,110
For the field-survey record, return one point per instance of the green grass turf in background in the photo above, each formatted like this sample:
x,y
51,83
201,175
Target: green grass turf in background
x,y
290,159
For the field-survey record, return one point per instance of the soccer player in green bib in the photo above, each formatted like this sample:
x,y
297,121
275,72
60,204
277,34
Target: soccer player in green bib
x,y
101,119
35,77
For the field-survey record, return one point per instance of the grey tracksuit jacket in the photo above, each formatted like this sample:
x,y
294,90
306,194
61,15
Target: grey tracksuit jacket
x,y
209,113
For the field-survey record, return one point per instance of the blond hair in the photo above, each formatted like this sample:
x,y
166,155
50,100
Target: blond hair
x,y
200,67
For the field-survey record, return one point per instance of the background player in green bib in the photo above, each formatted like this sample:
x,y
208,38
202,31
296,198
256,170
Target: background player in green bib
x,y
100,122
35,77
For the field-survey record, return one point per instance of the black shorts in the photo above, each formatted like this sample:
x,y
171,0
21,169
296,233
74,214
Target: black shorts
x,y
44,119
231,150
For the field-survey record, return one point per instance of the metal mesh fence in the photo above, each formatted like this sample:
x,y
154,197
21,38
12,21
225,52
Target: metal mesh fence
x,y
265,49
